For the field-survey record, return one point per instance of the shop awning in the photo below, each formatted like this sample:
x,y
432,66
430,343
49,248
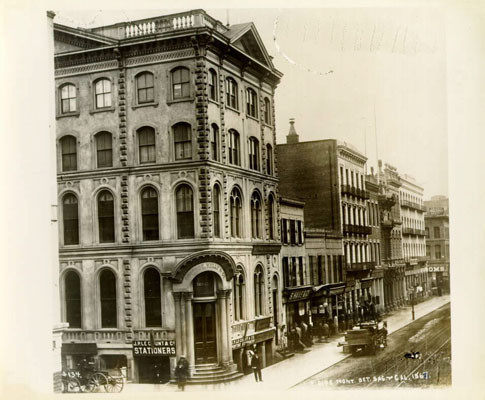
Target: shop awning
x,y
330,289
79,348
366,283
299,294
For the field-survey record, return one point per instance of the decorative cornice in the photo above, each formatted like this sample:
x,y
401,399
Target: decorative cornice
x,y
82,69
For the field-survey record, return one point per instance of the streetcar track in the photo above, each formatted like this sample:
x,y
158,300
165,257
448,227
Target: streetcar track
x,y
395,333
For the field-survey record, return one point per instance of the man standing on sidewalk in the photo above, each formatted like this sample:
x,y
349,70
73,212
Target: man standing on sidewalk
x,y
256,366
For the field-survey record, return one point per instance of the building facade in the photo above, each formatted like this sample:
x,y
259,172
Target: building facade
x,y
167,187
331,182
438,243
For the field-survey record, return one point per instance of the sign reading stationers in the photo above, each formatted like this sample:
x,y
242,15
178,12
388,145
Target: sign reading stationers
x,y
157,348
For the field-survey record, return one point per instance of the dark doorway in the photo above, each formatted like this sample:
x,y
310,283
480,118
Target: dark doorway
x,y
205,333
153,369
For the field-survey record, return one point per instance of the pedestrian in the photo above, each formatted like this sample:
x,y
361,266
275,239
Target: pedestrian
x,y
182,372
256,366
326,331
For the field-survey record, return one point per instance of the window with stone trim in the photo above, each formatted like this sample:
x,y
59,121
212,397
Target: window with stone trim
x,y
212,85
182,141
256,215
106,217
231,93
258,291
72,295
149,214
107,285
104,150
251,103
145,88
216,217
269,159
234,148
185,212
68,98
180,83
146,144
70,219
102,93
235,204
153,297
68,153
254,153
214,142
239,297
267,111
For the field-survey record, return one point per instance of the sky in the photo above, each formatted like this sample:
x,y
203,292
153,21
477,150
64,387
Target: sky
x,y
373,77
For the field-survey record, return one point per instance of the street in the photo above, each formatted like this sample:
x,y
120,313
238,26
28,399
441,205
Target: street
x,y
395,366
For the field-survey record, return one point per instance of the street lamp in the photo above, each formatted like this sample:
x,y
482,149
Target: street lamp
x,y
411,296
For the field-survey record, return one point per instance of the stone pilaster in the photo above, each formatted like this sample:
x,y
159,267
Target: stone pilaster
x,y
189,322
127,298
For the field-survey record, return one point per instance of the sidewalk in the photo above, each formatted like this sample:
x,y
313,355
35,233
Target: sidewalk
x,y
287,373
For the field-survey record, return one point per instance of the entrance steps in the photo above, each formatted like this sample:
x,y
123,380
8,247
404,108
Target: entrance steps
x,y
213,373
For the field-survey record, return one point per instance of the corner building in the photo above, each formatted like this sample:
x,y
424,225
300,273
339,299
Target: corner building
x,y
167,187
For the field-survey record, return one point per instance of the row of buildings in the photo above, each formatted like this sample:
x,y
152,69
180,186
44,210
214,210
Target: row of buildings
x,y
185,229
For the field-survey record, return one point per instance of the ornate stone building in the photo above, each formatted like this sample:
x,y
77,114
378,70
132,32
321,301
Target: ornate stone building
x,y
167,187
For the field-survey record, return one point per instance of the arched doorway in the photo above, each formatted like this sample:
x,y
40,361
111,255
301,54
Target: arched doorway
x,y
204,315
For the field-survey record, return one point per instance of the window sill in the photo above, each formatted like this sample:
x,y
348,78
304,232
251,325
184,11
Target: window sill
x,y
100,110
72,114
214,101
232,109
152,104
268,125
184,100
253,118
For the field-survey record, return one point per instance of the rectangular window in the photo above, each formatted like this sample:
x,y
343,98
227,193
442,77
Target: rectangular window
x,y
181,83
321,270
145,88
293,268
292,232
437,232
286,276
284,231
311,266
300,232
437,252
301,271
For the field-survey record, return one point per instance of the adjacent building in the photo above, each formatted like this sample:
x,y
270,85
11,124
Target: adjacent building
x,y
438,243
167,185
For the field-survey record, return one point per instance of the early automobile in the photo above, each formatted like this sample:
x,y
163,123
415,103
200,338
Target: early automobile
x,y
365,337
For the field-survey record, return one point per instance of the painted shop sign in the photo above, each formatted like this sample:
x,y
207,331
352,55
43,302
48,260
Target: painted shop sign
x,y
250,339
299,295
157,348
438,268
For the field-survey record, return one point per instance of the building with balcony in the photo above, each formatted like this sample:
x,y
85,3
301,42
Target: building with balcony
x,y
413,236
438,243
331,182
392,260
167,186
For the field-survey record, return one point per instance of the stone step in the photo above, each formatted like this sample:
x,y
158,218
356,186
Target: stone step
x,y
219,378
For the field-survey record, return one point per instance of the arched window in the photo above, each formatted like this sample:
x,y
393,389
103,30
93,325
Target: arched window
x,y
214,142
234,147
251,103
235,204
102,90
106,217
185,212
256,215
269,159
182,141
104,150
204,285
149,214
216,204
145,88
146,143
231,93
239,295
107,285
153,298
70,219
271,217
267,111
258,291
212,85
69,153
72,290
68,98
180,83
254,153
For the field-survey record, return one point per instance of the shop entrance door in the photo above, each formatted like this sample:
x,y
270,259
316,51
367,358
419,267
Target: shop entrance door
x,y
205,333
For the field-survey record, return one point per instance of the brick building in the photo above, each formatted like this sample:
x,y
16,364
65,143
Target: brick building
x,y
167,190
331,182
438,243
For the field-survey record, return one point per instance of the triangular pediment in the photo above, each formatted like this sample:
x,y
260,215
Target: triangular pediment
x,y
67,39
245,37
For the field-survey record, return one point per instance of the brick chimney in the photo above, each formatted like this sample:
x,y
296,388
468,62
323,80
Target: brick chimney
x,y
292,136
